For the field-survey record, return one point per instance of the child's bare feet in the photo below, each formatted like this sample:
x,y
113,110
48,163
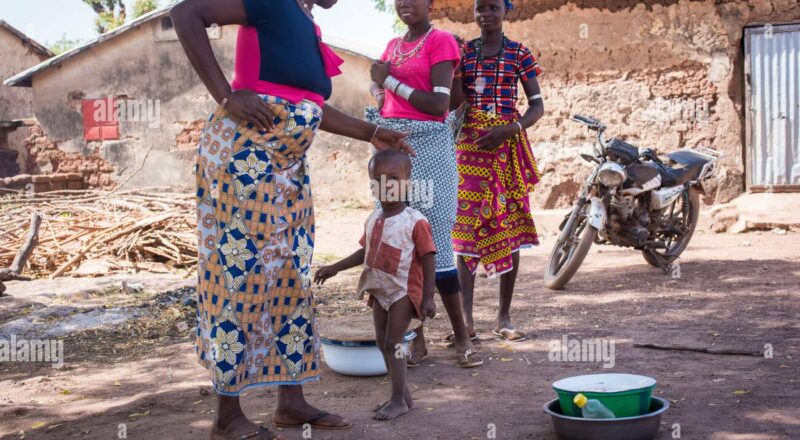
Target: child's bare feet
x,y
391,411
407,398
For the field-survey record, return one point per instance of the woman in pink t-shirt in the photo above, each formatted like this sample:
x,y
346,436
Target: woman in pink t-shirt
x,y
411,85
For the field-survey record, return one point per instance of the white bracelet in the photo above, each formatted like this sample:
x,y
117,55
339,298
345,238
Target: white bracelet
x,y
391,83
534,98
521,128
439,89
404,91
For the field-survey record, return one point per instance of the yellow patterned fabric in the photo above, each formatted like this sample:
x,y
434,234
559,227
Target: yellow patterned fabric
x,y
494,218
255,215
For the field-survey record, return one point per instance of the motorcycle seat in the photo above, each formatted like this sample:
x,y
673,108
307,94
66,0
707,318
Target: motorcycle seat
x,y
689,166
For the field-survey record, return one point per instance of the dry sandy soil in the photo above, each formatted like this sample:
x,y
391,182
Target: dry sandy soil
x,y
735,292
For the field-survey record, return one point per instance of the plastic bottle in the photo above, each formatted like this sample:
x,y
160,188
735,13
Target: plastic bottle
x,y
592,408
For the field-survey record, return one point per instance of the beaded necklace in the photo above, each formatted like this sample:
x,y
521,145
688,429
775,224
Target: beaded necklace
x,y
399,57
503,42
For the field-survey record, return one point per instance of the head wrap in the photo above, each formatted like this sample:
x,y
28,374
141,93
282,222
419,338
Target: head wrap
x,y
509,5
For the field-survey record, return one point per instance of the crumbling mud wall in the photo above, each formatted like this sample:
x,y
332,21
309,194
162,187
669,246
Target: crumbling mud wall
x,y
46,158
661,74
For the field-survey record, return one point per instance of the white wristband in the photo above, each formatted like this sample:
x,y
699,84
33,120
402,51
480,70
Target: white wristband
x,y
534,98
439,89
391,83
404,91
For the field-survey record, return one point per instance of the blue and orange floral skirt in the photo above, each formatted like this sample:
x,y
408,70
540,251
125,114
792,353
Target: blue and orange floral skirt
x,y
255,217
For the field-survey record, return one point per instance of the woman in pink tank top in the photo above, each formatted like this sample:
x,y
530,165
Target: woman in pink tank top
x,y
411,85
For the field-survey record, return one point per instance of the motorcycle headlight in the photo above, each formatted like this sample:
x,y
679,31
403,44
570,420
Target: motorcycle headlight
x,y
611,174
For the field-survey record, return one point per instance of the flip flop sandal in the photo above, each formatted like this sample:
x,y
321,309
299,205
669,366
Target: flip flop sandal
x,y
412,364
504,334
312,422
467,362
451,337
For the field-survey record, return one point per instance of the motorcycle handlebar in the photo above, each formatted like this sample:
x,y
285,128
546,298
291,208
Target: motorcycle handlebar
x,y
585,120
593,124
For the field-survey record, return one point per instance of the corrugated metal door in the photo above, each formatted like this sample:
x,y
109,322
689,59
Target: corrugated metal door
x,y
772,67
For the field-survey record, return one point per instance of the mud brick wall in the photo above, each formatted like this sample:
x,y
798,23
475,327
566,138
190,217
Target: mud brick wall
x,y
189,136
45,158
43,183
662,74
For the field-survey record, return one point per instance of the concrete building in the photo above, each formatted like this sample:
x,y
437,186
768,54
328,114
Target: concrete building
x,y
663,74
18,52
140,71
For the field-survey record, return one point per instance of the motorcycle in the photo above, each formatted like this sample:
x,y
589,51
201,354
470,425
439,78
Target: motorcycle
x,y
632,199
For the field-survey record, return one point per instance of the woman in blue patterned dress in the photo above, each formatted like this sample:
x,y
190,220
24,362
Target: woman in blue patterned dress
x,y
255,310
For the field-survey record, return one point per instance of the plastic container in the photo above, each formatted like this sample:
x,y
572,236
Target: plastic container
x,y
626,395
592,408
643,427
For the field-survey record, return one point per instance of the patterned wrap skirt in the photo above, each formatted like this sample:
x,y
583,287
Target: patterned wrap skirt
x,y
433,167
494,215
255,215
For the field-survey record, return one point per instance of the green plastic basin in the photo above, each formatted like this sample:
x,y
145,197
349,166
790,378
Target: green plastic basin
x,y
626,395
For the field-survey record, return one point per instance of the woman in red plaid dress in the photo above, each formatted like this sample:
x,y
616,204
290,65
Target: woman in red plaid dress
x,y
497,170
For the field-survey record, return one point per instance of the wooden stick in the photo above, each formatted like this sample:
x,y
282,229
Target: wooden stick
x,y
721,351
13,272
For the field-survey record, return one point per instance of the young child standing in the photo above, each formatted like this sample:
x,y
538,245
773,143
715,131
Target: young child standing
x,y
397,252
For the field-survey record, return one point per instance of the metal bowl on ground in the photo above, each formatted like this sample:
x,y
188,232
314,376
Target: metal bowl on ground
x,y
643,427
357,358
349,348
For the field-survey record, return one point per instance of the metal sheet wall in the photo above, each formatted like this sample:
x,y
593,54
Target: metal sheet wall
x,y
773,57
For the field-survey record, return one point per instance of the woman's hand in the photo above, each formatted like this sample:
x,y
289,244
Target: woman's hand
x,y
386,139
496,136
380,71
247,105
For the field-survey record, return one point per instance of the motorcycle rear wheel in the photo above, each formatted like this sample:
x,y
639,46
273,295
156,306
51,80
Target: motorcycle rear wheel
x,y
560,270
662,258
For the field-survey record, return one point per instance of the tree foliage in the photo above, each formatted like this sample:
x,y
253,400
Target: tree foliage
x,y
141,7
388,7
64,44
112,14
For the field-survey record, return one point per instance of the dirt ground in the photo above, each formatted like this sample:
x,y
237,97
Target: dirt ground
x,y
735,292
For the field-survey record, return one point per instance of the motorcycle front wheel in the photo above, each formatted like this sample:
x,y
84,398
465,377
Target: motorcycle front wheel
x,y
568,254
684,213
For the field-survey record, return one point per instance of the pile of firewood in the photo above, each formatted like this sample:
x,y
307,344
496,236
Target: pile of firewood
x,y
91,233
